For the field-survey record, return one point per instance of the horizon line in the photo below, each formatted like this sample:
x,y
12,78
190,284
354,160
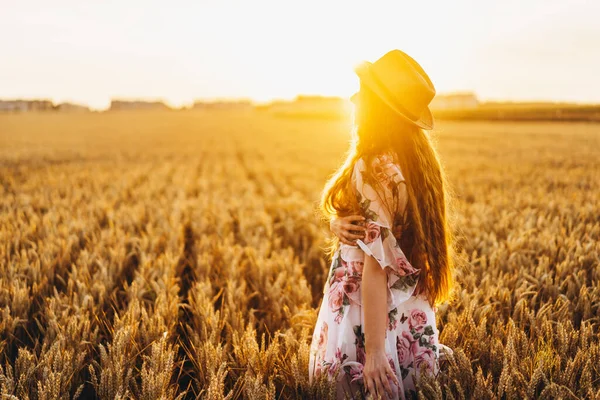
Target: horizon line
x,y
254,101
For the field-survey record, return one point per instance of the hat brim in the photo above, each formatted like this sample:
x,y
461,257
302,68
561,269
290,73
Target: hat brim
x,y
364,72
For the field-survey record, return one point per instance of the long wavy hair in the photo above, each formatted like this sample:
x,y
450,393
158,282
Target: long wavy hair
x,y
427,236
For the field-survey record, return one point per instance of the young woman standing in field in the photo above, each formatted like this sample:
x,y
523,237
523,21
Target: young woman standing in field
x,y
392,255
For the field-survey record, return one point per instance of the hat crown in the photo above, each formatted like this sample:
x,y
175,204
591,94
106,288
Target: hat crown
x,y
405,82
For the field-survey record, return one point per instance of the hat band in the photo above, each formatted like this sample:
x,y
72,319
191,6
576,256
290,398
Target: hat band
x,y
400,107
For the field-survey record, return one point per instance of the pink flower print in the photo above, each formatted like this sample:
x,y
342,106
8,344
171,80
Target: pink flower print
x,y
356,372
403,346
390,379
417,320
407,335
373,232
339,316
338,273
332,368
391,361
319,367
351,284
336,295
424,356
338,355
404,267
337,361
432,339
355,267
322,342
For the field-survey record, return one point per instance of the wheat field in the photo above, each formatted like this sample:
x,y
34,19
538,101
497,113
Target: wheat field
x,y
161,255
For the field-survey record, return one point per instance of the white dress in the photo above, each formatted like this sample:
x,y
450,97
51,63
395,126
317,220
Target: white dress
x,y
411,336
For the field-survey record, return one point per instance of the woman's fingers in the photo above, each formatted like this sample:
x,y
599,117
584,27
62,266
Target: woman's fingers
x,y
386,383
352,236
352,227
344,229
392,375
348,238
348,241
379,387
354,218
371,387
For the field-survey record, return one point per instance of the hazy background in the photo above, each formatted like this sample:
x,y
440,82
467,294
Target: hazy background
x,y
157,252
184,50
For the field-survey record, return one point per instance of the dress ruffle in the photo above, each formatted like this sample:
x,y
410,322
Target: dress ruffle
x,y
402,277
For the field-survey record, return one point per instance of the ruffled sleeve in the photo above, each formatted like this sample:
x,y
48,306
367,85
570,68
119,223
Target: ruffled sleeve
x,y
379,197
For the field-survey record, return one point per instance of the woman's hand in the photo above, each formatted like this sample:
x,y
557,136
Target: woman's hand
x,y
345,228
377,373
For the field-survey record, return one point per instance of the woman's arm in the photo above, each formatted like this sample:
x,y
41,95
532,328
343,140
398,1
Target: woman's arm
x,y
377,370
374,297
380,254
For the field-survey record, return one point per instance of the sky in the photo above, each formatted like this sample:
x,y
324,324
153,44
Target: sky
x,y
178,51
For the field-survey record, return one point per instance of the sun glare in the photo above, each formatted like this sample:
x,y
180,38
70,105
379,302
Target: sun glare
x,y
268,50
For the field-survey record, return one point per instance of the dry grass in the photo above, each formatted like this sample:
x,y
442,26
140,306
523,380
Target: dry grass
x,y
157,255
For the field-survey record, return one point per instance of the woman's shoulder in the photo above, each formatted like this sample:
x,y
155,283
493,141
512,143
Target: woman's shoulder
x,y
383,166
376,159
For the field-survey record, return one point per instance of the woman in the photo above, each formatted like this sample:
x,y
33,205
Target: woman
x,y
392,255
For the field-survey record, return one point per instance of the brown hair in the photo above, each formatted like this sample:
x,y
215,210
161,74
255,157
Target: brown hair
x,y
427,240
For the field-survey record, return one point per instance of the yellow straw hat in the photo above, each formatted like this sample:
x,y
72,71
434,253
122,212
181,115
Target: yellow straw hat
x,y
402,84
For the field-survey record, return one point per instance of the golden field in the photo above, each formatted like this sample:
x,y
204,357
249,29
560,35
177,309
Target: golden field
x,y
162,254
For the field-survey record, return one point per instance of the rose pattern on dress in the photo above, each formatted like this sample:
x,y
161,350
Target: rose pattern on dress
x,y
355,268
403,347
411,335
322,343
417,320
424,358
334,365
373,233
343,284
321,347
416,348
385,171
404,267
356,372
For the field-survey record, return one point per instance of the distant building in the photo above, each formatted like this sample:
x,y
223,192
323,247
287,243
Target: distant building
x,y
25,105
70,107
223,105
308,99
454,101
137,105
13,105
311,105
40,105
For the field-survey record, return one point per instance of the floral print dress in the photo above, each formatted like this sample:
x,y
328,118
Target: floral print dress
x,y
337,347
